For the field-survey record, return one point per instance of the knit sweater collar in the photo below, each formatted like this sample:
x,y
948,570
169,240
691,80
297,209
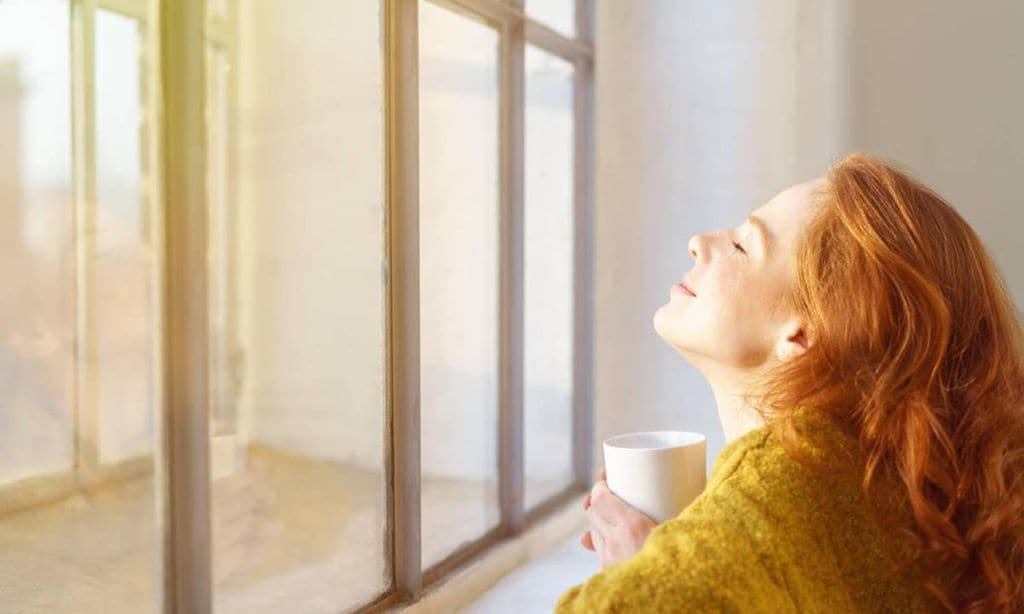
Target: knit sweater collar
x,y
820,437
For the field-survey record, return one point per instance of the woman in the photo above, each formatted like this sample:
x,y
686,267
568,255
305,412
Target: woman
x,y
868,366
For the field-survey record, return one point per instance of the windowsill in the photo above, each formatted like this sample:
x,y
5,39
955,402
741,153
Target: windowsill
x,y
476,579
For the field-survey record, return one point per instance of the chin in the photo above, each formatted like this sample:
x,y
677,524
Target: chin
x,y
660,322
670,334
669,324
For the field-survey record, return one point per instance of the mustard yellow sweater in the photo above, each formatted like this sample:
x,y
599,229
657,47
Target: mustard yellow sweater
x,y
766,535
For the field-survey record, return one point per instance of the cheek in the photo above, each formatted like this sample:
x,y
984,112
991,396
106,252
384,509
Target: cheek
x,y
728,322
732,285
721,302
744,320
748,294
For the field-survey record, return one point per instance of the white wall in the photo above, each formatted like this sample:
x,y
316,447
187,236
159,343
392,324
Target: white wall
x,y
939,86
707,109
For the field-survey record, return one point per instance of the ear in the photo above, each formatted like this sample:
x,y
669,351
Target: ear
x,y
793,340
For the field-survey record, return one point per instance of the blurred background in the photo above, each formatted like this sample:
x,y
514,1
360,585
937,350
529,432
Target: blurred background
x,y
703,110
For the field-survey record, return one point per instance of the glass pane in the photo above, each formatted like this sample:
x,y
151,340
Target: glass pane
x,y
78,518
36,304
297,320
556,14
122,264
458,279
549,279
223,334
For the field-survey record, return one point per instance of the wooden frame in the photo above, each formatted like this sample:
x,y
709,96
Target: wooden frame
x,y
511,479
187,546
583,335
403,311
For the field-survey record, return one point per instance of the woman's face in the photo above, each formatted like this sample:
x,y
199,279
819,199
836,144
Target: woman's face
x,y
740,277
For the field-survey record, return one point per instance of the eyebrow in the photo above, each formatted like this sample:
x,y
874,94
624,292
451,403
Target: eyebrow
x,y
761,229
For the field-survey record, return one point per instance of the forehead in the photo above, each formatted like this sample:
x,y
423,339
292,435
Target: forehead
x,y
788,212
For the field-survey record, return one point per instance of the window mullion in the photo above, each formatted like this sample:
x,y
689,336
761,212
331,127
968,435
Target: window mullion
x,y
511,305
583,334
183,135
402,271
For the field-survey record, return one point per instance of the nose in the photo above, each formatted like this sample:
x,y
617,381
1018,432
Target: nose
x,y
696,245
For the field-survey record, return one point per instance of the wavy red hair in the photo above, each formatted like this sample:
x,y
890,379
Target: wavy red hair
x,y
916,349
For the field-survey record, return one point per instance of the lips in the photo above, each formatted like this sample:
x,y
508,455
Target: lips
x,y
685,284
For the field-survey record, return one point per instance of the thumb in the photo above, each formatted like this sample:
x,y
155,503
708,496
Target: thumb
x,y
587,540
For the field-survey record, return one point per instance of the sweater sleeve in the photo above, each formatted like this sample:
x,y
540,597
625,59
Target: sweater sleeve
x,y
703,560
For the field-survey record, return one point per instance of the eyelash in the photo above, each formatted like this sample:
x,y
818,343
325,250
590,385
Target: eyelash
x,y
739,247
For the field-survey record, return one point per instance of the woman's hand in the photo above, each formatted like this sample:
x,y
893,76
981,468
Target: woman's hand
x,y
617,531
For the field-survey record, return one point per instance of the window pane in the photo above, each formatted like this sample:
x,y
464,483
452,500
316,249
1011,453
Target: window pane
x,y
78,501
124,326
556,14
297,314
222,289
549,279
458,279
37,306
123,261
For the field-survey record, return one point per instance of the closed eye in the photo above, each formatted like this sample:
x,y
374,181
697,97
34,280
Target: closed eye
x,y
738,247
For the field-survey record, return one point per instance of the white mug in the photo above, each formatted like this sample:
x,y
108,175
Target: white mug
x,y
657,472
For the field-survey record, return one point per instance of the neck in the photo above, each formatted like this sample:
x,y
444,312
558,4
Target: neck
x,y
737,417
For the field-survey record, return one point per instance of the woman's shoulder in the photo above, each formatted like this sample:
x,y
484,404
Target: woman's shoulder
x,y
804,523
759,491
754,486
767,534
821,455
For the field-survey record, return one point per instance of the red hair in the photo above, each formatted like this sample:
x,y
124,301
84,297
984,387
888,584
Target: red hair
x,y
917,350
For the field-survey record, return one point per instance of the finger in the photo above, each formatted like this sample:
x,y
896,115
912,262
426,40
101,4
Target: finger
x,y
610,507
587,541
597,541
586,503
600,522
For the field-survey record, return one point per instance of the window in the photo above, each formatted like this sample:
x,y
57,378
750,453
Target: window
x,y
298,301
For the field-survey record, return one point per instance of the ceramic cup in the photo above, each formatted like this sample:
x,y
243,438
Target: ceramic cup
x,y
657,472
